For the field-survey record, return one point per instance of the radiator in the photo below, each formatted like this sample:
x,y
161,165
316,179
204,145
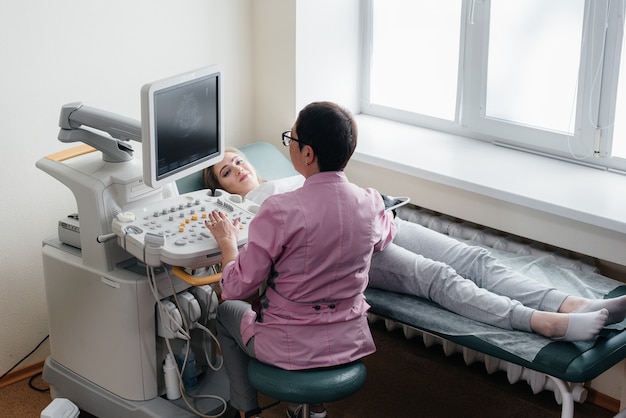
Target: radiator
x,y
536,380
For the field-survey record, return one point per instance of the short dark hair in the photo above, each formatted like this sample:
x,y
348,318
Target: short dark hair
x,y
331,131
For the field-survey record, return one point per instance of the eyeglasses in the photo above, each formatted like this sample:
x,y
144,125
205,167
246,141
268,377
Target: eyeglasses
x,y
287,138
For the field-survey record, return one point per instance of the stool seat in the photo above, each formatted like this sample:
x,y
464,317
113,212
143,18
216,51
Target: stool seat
x,y
310,386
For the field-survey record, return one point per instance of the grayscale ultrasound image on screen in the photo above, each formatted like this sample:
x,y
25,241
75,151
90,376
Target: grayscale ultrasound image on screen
x,y
187,124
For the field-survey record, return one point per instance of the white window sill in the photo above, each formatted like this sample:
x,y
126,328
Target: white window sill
x,y
591,196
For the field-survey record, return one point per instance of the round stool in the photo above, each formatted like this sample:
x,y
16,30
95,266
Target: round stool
x,y
311,386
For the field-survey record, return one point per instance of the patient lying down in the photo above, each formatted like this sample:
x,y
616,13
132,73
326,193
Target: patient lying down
x,y
462,278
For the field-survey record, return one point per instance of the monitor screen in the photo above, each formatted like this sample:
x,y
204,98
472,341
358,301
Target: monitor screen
x,y
181,125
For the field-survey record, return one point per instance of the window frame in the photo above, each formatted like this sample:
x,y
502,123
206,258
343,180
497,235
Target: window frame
x,y
590,143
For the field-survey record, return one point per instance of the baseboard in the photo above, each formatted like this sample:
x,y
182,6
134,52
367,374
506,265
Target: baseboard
x,y
602,400
21,374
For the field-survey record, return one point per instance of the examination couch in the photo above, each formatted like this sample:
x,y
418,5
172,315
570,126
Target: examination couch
x,y
545,364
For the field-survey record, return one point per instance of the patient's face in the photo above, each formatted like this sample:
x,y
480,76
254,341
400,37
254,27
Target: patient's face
x,y
235,174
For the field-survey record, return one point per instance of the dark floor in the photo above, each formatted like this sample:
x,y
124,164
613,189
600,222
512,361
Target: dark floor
x,y
405,379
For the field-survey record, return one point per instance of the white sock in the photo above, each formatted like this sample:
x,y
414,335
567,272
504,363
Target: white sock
x,y
584,326
615,306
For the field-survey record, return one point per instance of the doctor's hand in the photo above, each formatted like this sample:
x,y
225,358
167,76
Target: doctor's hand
x,y
221,228
225,233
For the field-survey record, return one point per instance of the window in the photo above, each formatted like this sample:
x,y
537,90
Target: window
x,y
431,66
537,75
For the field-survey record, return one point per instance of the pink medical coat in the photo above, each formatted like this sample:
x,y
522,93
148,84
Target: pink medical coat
x,y
313,245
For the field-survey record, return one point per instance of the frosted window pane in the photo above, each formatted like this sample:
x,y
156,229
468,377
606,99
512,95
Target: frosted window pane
x,y
415,55
534,56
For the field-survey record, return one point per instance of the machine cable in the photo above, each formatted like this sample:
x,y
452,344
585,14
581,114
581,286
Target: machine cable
x,y
184,332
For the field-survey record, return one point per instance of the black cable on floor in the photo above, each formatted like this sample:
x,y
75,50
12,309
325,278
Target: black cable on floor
x,y
32,385
24,358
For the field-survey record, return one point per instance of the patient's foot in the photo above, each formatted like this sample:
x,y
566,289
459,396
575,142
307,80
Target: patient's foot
x,y
615,306
585,326
569,326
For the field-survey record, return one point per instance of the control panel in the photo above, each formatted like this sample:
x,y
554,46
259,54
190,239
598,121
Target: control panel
x,y
172,231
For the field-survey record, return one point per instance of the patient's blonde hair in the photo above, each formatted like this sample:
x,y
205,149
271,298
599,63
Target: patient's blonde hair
x,y
210,179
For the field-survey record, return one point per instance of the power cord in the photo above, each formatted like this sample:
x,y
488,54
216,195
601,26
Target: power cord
x,y
32,385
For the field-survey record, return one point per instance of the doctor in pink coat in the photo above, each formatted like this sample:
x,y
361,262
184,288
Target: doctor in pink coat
x,y
312,247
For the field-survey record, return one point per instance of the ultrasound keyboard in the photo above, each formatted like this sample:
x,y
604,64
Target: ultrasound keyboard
x,y
172,231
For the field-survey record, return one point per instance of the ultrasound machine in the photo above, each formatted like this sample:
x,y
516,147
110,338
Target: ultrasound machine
x,y
116,310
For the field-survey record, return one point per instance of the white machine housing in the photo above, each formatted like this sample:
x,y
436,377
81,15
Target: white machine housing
x,y
105,352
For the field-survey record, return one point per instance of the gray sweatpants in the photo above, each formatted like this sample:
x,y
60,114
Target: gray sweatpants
x,y
236,354
462,278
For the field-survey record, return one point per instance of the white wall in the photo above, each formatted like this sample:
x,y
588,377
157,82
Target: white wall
x,y
327,52
100,53
305,50
274,49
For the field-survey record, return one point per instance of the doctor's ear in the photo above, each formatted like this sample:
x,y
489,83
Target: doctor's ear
x,y
309,154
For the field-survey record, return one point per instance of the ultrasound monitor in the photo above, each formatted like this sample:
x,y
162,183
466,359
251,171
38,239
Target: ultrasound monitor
x,y
181,125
